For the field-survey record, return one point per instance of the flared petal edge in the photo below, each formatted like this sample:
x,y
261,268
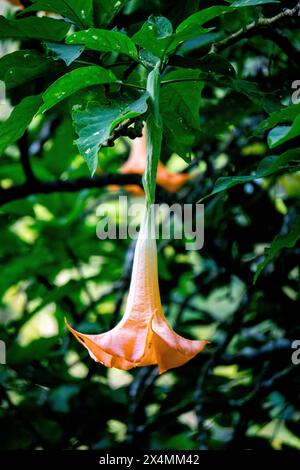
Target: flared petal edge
x,y
107,358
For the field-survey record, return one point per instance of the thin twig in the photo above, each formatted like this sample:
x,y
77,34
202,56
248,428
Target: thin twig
x,y
255,28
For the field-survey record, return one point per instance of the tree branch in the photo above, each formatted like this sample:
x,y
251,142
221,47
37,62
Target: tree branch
x,y
25,159
249,356
47,187
255,28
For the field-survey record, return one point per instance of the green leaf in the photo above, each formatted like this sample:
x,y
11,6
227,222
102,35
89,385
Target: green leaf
x,y
21,66
286,114
106,10
64,52
273,164
198,42
185,34
148,59
74,81
14,127
179,104
251,3
156,35
288,161
104,41
33,28
202,17
216,64
96,115
253,92
280,242
78,11
281,134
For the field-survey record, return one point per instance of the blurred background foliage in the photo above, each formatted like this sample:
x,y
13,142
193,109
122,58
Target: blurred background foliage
x,y
243,391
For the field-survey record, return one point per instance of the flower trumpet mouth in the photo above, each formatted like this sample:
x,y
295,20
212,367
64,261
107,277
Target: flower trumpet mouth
x,y
143,336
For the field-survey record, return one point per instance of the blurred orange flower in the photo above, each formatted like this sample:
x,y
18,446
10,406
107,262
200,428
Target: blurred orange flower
x,y
15,2
136,164
143,337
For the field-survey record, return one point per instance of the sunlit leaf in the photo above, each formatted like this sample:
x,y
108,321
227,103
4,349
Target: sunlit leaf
x,y
74,81
104,41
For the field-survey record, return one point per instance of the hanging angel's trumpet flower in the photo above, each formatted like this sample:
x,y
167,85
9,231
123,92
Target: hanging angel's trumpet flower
x,y
136,164
143,337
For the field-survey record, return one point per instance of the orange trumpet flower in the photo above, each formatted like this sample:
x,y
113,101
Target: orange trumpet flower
x,y
136,164
143,336
15,2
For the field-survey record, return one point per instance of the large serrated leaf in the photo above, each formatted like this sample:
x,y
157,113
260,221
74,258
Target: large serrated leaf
x,y
104,41
95,117
74,81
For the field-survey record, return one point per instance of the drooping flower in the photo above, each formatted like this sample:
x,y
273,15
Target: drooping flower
x,y
136,164
143,336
